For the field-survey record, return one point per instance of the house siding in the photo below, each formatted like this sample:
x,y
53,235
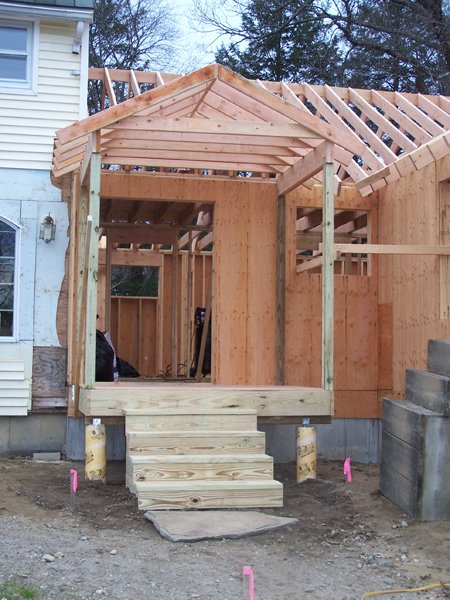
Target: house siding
x,y
28,122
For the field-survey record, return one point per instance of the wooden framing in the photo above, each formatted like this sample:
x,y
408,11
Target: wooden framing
x,y
210,128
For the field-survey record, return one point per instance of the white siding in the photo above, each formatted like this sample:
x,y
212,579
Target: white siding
x,y
15,380
28,123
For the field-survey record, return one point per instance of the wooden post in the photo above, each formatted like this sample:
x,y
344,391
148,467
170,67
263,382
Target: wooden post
x,y
328,271
72,267
80,296
281,284
91,299
174,310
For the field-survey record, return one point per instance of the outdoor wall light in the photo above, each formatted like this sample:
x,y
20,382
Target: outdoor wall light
x,y
47,229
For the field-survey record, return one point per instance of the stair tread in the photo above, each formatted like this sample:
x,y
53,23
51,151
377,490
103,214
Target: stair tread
x,y
199,433
201,458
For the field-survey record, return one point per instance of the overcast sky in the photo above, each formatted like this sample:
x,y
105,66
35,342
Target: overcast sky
x,y
196,49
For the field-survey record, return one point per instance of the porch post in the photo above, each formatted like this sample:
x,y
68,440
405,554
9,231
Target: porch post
x,y
91,297
328,270
281,284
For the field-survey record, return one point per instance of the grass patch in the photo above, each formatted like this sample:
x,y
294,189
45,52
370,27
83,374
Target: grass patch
x,y
16,590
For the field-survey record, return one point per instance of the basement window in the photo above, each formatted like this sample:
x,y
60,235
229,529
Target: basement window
x,y
17,56
350,227
8,253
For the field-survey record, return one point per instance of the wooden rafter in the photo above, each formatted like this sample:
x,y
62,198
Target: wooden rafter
x,y
217,121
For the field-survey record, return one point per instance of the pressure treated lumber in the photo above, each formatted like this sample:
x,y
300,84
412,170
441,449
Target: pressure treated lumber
x,y
415,460
439,357
199,458
204,495
174,419
200,467
428,390
201,442
111,399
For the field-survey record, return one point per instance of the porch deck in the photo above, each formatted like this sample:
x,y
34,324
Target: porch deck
x,y
112,399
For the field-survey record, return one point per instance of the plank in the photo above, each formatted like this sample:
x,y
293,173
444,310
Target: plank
x,y
203,495
303,169
392,249
195,467
49,373
183,420
200,442
428,390
401,457
439,357
267,401
398,489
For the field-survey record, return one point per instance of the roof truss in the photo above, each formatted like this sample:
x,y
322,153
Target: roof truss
x,y
214,121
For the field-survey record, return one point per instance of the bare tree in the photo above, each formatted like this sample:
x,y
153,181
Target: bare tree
x,y
130,34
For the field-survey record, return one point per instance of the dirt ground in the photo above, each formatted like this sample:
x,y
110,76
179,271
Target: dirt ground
x,y
348,541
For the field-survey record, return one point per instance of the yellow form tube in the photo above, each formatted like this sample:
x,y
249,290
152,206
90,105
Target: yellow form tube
x,y
306,453
95,463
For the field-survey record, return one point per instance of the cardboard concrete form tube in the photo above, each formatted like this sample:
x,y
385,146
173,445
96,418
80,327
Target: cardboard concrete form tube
x,y
95,463
306,454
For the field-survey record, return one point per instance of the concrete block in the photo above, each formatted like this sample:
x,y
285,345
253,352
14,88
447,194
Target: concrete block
x,y
47,456
25,435
53,432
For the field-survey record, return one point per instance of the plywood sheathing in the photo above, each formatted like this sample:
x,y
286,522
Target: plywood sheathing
x,y
356,319
409,286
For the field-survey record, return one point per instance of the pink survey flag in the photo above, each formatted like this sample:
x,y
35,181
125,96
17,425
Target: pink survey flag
x,y
348,469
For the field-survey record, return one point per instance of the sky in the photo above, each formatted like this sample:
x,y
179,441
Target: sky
x,y
196,49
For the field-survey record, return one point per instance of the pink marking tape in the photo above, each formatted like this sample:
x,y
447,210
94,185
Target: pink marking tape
x,y
251,583
74,479
348,469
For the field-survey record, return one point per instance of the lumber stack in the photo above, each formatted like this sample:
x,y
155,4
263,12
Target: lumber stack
x,y
185,458
415,457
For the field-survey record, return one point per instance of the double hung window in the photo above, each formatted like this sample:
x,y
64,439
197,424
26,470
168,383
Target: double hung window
x,y
16,55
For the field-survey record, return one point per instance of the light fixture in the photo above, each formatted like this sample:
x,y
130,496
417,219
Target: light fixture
x,y
47,230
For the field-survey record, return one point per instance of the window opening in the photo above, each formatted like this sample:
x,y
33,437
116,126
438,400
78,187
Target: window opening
x,y
8,235
134,281
350,227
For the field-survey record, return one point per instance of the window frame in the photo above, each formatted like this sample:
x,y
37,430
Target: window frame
x,y
17,229
29,85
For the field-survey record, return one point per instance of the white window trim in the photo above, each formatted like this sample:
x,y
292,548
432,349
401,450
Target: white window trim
x,y
29,87
15,336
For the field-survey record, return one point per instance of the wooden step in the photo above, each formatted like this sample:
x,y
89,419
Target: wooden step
x,y
189,419
209,494
439,357
428,390
200,467
198,442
